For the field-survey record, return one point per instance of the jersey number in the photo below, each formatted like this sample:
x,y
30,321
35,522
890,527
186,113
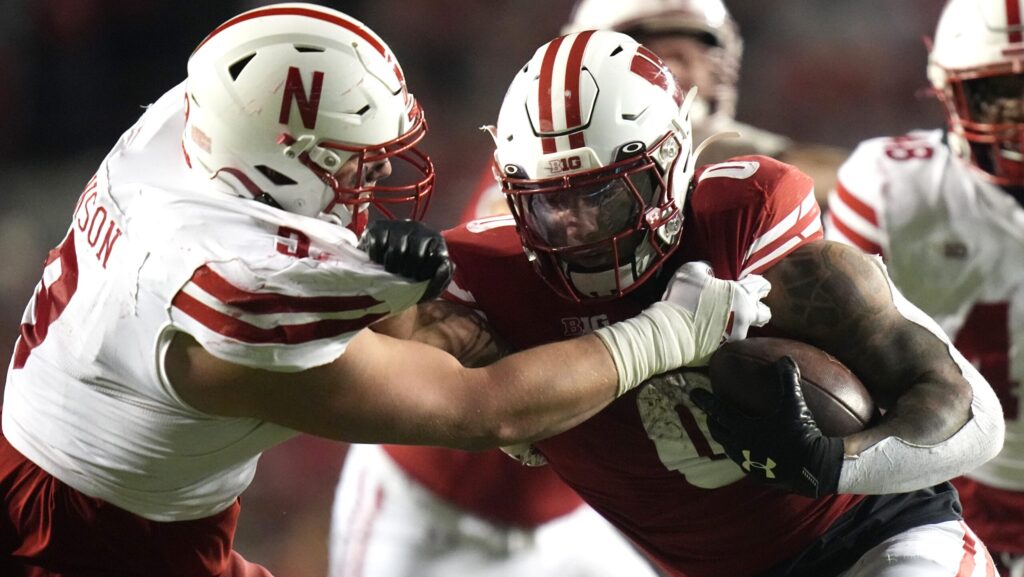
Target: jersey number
x,y
908,148
680,434
58,285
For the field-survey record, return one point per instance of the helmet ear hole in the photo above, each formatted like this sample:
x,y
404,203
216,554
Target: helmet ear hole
x,y
274,176
630,149
514,171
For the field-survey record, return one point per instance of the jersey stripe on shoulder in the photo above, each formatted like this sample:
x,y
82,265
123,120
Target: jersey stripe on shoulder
x,y
265,303
853,221
803,223
270,318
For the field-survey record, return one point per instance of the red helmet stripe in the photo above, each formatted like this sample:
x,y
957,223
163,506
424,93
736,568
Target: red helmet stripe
x,y
649,66
1013,20
297,11
544,95
571,94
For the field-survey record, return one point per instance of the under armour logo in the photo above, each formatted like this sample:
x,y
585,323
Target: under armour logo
x,y
767,466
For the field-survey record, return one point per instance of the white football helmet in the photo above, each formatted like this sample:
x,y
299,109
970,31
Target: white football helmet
x,y
706,20
594,152
976,65
280,98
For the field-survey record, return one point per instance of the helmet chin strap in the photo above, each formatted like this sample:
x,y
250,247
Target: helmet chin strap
x,y
711,140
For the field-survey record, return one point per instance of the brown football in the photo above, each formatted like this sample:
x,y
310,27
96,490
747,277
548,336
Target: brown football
x,y
742,374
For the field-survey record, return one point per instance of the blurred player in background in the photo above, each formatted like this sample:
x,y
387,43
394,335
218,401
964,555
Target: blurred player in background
x,y
606,210
701,43
946,211
210,301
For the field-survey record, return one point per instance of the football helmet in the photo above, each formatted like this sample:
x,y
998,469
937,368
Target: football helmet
x,y
706,20
284,101
594,154
976,65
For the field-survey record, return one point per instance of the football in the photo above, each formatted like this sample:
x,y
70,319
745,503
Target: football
x,y
742,375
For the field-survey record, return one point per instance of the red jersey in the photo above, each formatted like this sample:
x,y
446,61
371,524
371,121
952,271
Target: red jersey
x,y
647,462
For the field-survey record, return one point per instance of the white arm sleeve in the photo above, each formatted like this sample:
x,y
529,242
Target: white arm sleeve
x,y
895,466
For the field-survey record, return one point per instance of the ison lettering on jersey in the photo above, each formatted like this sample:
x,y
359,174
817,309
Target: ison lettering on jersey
x,y
98,226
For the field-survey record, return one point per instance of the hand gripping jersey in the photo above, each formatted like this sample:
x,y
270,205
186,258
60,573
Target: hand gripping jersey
x,y
954,245
647,462
152,250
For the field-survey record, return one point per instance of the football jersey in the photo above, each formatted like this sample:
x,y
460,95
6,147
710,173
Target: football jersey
x,y
154,249
954,245
647,462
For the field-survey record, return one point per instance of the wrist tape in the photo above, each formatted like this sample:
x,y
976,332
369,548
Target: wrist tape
x,y
666,336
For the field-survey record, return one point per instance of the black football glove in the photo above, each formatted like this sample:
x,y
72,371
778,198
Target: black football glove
x,y
784,449
411,249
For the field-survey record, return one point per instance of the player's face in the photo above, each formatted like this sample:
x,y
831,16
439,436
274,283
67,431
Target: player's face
x,y
997,99
687,57
998,103
583,216
348,175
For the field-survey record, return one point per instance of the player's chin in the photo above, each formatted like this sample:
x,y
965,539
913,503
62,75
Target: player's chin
x,y
589,262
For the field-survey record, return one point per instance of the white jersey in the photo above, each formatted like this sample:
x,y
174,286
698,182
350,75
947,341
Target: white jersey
x,y
954,245
153,249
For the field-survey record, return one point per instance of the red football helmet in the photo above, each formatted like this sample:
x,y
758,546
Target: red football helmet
x,y
283,100
594,153
976,65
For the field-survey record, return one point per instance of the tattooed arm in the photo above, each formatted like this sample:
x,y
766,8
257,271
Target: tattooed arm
x,y
941,417
834,297
450,327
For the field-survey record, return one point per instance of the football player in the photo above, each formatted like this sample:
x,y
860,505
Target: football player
x,y
210,297
593,148
701,43
532,519
945,209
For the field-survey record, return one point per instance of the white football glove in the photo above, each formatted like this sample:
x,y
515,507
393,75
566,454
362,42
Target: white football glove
x,y
698,314
747,309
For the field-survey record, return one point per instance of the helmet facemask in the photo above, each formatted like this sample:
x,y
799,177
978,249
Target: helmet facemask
x,y
986,112
595,235
360,182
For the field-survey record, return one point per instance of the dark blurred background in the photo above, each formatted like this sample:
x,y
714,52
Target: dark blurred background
x,y
74,74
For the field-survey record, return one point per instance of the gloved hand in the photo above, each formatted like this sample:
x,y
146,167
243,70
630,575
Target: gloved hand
x,y
784,449
747,310
411,249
